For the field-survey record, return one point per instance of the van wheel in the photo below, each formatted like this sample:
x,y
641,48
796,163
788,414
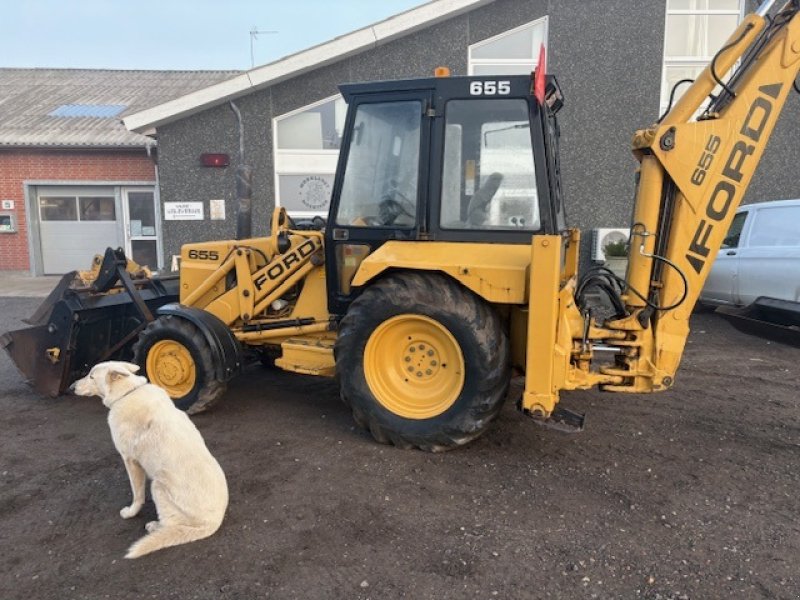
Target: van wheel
x,y
175,356
422,362
702,308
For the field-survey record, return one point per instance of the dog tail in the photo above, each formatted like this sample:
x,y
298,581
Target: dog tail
x,y
166,536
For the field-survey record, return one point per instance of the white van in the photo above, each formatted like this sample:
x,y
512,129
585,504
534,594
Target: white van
x,y
759,257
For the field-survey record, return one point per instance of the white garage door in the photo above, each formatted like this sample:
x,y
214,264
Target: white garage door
x,y
74,226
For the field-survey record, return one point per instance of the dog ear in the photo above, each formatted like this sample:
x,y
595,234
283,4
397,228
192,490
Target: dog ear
x,y
133,368
115,374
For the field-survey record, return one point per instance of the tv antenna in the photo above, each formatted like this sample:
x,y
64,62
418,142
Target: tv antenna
x,y
254,33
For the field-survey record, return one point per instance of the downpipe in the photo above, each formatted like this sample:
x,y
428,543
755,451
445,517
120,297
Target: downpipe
x,y
244,186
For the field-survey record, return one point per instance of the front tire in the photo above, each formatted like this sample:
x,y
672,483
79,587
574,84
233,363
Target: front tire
x,y
422,362
175,356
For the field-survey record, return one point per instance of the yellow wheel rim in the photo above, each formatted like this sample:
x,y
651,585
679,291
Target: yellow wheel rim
x,y
170,366
414,366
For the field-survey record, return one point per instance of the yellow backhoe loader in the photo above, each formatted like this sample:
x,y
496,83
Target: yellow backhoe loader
x,y
446,261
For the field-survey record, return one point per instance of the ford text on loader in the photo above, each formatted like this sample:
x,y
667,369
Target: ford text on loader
x,y
446,261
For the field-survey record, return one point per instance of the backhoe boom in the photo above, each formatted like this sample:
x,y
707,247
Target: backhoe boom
x,y
693,175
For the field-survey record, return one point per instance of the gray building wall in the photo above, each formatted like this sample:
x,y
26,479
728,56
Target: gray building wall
x,y
607,55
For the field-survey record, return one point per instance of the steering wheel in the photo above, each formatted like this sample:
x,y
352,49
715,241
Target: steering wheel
x,y
394,205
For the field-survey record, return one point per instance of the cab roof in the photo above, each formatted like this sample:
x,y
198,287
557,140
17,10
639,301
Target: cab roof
x,y
349,90
456,87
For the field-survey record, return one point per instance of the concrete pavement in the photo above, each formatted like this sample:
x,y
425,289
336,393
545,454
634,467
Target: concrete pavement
x,y
20,284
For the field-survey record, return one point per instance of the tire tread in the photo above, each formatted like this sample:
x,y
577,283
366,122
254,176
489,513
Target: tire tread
x,y
417,292
211,389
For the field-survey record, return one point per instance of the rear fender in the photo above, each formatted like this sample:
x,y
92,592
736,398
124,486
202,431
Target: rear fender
x,y
225,348
496,272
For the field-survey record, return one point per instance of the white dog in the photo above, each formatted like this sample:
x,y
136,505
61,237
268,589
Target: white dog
x,y
158,441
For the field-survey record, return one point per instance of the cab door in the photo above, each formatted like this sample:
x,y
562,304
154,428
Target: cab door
x,y
380,184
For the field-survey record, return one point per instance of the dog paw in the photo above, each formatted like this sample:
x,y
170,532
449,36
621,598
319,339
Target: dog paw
x,y
151,526
130,511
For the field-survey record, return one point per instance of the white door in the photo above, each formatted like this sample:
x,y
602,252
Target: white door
x,y
75,224
142,242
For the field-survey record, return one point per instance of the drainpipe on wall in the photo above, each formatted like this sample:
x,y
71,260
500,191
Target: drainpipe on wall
x,y
244,186
150,146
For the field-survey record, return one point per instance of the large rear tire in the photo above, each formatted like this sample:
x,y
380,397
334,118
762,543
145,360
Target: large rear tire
x,y
422,362
175,355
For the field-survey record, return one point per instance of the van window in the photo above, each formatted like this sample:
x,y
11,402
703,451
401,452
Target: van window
x,y
734,233
776,226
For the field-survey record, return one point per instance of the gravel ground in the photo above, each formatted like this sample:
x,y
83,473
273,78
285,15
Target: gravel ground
x,y
686,494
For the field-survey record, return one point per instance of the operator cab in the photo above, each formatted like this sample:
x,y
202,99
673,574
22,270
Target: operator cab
x,y
464,159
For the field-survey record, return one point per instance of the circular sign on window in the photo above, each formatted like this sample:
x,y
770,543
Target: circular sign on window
x,y
315,192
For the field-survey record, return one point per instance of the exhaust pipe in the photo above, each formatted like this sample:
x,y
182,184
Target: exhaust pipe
x,y
244,186
764,8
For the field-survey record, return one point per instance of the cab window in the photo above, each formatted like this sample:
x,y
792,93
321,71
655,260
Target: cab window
x,y
488,177
380,179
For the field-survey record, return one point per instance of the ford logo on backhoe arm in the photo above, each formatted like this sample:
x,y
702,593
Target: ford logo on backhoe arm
x,y
725,191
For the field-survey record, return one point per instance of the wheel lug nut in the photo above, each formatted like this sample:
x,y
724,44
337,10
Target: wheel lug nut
x,y
412,349
433,363
408,359
430,352
419,373
410,369
428,372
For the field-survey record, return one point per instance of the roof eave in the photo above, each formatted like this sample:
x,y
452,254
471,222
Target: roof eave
x,y
302,62
67,146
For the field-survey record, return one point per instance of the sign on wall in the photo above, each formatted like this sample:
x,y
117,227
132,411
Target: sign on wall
x,y
216,208
183,211
8,205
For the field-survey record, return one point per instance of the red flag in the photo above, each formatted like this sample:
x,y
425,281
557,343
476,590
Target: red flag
x,y
539,77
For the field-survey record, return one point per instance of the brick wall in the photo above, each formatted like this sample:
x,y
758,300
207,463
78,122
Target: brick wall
x,y
19,165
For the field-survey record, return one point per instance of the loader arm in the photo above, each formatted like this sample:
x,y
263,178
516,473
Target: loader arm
x,y
693,174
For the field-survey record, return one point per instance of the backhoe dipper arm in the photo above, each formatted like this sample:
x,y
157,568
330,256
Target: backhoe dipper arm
x,y
693,175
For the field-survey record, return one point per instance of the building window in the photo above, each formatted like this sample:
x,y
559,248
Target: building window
x,y
307,144
514,52
81,208
695,31
101,111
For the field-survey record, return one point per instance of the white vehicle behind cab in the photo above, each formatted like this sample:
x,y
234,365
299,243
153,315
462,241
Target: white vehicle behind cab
x,y
759,257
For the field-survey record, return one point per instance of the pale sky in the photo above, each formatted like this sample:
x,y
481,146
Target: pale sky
x,y
174,34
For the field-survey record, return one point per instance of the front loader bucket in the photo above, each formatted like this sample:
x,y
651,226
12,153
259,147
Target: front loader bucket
x,y
43,312
42,356
76,328
770,318
27,346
